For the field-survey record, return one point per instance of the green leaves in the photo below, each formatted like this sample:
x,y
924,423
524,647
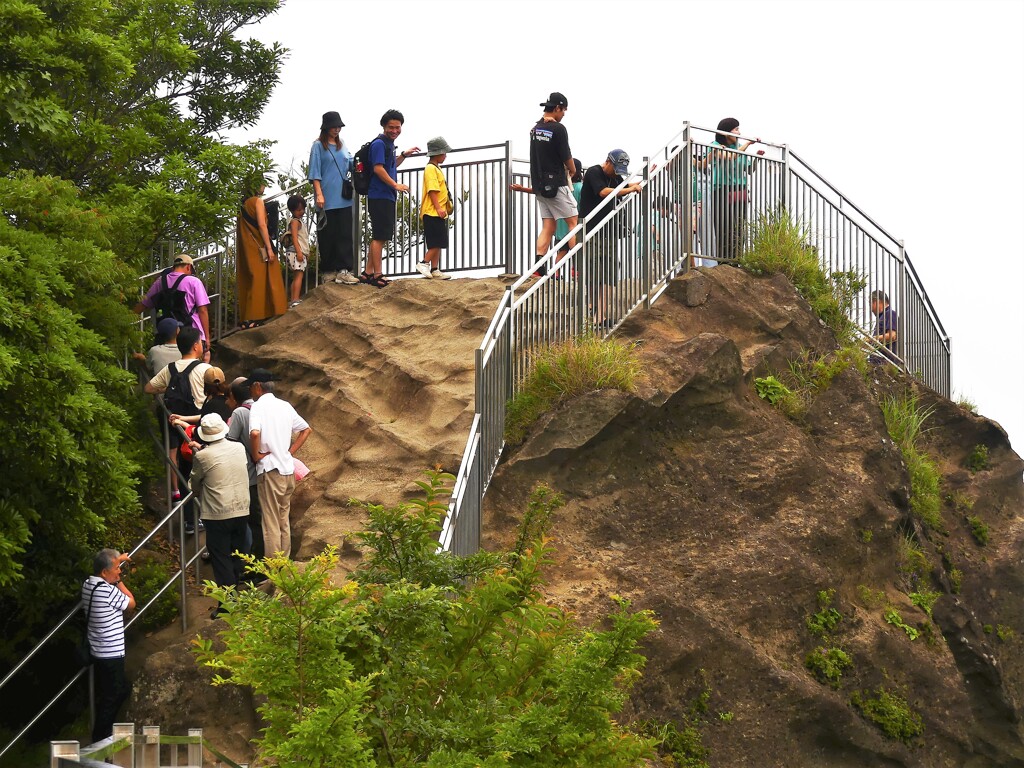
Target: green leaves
x,y
414,662
64,426
128,98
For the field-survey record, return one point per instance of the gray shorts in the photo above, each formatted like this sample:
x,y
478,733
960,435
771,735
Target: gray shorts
x,y
561,206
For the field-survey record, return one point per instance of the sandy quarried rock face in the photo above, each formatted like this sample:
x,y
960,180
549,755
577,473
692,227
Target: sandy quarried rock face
x,y
386,379
703,503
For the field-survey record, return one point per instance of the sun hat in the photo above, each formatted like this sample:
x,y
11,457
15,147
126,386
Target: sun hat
x,y
331,120
259,375
556,99
619,158
438,146
212,428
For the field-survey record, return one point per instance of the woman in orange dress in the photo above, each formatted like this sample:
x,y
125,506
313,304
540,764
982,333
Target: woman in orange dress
x,y
261,293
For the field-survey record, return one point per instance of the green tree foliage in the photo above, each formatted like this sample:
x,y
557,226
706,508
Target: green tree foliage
x,y
126,99
110,118
64,427
423,658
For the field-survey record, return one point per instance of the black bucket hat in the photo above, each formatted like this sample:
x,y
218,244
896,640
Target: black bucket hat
x,y
331,120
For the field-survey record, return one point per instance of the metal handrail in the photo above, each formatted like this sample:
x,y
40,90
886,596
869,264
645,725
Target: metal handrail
x,y
174,509
928,302
537,294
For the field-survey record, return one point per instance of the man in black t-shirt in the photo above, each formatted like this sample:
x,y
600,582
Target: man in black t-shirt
x,y
551,167
602,259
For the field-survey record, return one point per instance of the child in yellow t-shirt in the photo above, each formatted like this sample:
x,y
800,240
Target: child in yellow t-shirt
x,y
436,207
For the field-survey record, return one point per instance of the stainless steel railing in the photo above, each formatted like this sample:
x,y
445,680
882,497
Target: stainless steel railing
x,y
692,210
175,512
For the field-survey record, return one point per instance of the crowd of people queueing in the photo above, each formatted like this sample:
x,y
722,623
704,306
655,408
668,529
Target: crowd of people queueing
x,y
261,289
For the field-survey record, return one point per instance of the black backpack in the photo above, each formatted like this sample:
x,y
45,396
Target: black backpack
x,y
169,301
362,171
178,395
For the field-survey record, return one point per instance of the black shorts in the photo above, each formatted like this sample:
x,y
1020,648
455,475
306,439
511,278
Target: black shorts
x,y
382,219
435,232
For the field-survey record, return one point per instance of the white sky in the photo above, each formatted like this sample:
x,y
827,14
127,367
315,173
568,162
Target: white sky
x,y
900,104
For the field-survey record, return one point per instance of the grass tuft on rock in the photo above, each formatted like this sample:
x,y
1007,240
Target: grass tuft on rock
x,y
905,419
568,370
778,244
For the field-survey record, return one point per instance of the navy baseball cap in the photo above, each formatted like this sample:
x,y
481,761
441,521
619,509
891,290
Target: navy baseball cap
x,y
620,159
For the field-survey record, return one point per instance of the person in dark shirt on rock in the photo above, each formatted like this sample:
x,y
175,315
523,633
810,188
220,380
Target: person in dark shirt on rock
x,y
602,258
886,324
551,171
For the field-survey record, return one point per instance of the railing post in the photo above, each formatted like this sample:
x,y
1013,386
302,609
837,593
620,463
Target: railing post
x,y
645,233
507,224
151,746
901,342
63,749
357,236
582,281
183,567
784,191
689,175
195,751
125,757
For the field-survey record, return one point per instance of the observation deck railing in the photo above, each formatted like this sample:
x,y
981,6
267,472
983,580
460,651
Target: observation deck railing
x,y
622,255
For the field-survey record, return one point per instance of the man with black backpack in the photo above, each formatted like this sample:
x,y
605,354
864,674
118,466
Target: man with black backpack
x,y
183,387
551,171
178,293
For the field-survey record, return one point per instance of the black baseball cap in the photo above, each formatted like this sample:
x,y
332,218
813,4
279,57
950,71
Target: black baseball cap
x,y
260,375
556,99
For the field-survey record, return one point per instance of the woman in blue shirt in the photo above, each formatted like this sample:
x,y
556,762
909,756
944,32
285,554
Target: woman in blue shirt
x,y
729,171
329,161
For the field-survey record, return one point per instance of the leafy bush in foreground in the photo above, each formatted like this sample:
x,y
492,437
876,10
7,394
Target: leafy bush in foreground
x,y
423,658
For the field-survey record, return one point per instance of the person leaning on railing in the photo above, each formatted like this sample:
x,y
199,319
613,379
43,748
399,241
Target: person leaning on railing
x,y
886,324
105,598
729,172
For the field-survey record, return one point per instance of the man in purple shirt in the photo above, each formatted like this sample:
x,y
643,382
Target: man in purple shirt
x,y
182,278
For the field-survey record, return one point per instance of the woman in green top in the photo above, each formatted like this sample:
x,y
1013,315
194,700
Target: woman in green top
x,y
729,171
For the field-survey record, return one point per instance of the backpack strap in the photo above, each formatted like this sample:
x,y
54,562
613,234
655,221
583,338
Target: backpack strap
x,y
249,219
88,610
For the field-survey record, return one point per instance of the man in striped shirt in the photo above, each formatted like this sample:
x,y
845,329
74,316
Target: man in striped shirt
x,y
105,598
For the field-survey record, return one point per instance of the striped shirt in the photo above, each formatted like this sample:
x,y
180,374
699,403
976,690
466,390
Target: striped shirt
x,y
106,617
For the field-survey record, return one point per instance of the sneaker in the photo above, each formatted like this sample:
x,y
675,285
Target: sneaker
x,y
437,274
295,304
200,526
346,278
176,497
189,529
328,277
424,269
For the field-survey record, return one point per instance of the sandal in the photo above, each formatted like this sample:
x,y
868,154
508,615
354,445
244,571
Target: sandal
x,y
380,281
250,324
365,277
